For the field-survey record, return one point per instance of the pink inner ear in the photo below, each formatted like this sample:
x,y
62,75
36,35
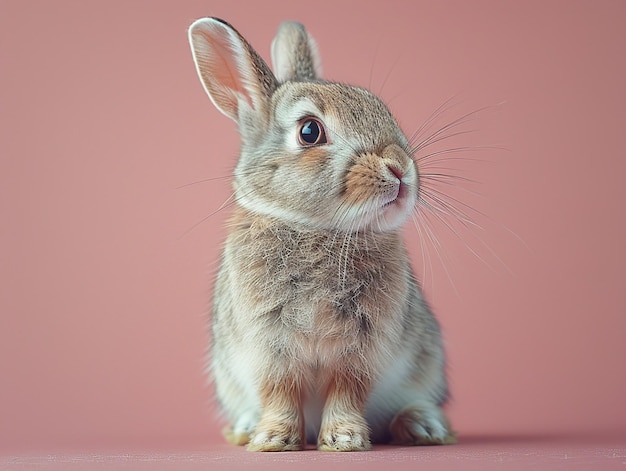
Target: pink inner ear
x,y
218,62
224,68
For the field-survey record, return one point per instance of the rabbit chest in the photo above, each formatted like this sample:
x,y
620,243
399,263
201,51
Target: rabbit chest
x,y
308,288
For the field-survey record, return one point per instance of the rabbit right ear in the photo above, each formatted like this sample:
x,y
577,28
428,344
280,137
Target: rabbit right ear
x,y
294,54
233,74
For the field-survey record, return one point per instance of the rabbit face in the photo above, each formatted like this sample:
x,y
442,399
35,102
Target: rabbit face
x,y
330,156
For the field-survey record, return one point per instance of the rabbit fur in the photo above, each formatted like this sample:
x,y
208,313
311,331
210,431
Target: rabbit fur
x,y
320,331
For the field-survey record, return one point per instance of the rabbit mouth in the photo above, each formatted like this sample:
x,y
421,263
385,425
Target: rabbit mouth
x,y
394,207
396,195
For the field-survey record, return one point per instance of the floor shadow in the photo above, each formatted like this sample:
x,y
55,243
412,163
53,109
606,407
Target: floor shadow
x,y
516,439
540,438
529,440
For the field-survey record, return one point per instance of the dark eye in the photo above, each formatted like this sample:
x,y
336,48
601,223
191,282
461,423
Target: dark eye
x,y
311,132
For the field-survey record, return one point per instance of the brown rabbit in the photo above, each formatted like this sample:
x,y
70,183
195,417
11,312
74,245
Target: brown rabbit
x,y
319,327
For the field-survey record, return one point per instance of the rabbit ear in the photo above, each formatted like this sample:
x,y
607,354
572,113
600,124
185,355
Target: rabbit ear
x,y
294,54
232,73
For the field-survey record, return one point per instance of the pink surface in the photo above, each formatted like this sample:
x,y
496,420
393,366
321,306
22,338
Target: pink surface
x,y
104,290
479,453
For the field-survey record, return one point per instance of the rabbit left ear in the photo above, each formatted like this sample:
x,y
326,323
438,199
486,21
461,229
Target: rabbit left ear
x,y
233,74
294,54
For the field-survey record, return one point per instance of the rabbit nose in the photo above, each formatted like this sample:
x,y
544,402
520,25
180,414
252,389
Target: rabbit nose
x,y
395,159
401,186
395,171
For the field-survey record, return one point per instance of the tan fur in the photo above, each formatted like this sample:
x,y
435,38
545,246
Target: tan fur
x,y
320,331
344,427
233,438
312,158
281,427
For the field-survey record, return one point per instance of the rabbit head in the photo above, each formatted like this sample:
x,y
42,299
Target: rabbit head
x,y
314,153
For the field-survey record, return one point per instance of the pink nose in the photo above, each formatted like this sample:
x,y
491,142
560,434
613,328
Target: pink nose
x,y
396,171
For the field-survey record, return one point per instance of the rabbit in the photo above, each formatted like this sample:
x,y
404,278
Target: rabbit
x,y
320,333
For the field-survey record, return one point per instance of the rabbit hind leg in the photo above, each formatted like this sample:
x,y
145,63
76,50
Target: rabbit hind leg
x,y
423,424
239,434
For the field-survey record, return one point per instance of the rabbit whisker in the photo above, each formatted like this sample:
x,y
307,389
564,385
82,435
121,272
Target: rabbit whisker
x,y
425,253
229,202
443,221
437,201
428,123
204,219
434,139
429,157
388,74
221,177
467,117
436,244
449,180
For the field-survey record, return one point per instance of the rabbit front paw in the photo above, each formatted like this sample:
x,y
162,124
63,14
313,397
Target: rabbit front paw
x,y
283,438
344,437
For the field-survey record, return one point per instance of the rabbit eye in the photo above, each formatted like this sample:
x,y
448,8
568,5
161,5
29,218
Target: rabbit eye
x,y
311,132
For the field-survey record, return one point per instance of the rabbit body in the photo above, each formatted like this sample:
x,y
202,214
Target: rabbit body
x,y
320,330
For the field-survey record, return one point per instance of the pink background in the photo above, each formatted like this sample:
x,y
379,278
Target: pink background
x,y
104,294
